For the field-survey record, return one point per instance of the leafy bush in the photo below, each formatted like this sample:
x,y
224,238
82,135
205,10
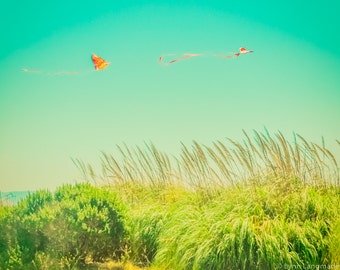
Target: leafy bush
x,y
78,222
21,238
87,222
5,229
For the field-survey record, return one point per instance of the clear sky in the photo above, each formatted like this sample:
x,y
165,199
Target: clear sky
x,y
290,83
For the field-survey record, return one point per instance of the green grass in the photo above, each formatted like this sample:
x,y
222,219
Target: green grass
x,y
250,228
263,203
251,205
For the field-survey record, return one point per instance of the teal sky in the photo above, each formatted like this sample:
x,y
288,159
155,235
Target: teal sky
x,y
290,83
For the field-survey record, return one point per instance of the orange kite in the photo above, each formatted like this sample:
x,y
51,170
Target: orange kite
x,y
99,63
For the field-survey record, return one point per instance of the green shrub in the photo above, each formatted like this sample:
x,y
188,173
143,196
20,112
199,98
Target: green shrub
x,y
87,222
79,221
35,201
6,231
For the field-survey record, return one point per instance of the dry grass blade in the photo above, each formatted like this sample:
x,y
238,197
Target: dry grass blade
x,y
287,155
223,154
86,169
146,165
252,146
162,162
224,164
109,164
220,164
268,157
244,157
297,155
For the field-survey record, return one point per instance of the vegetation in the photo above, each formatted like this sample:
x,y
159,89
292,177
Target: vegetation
x,y
74,224
264,203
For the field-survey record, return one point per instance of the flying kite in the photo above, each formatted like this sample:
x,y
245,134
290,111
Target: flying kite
x,y
99,64
242,50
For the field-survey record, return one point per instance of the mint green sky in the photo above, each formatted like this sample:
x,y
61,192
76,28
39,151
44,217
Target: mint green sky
x,y
290,83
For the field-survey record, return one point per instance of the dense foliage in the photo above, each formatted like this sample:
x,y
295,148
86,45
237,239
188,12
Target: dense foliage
x,y
262,204
73,224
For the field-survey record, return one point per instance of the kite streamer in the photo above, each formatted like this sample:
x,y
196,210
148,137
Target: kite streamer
x,y
98,62
48,73
242,50
185,56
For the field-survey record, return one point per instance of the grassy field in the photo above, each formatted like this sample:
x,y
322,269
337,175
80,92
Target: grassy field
x,y
263,203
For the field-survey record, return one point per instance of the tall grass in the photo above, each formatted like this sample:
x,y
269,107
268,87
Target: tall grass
x,y
263,203
251,229
224,163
